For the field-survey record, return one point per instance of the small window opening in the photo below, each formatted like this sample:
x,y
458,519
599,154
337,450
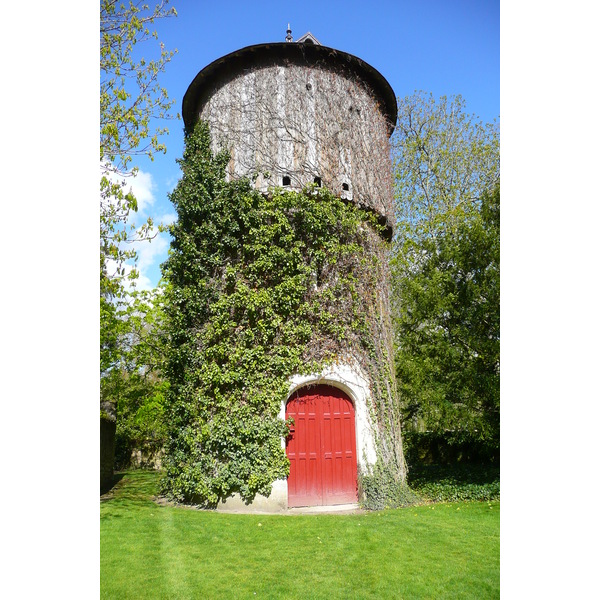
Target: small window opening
x,y
286,180
318,181
345,187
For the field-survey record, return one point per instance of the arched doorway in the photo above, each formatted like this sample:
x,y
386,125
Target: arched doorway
x,y
321,447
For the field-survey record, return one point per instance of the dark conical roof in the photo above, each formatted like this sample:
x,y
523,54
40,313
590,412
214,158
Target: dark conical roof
x,y
310,54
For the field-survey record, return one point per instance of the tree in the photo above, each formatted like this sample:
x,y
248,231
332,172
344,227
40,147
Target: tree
x,y
446,269
444,159
449,329
131,102
132,359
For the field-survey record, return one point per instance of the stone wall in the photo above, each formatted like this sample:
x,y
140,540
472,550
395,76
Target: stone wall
x,y
143,459
294,124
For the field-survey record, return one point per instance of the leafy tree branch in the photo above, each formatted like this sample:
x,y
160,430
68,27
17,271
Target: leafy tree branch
x,y
131,103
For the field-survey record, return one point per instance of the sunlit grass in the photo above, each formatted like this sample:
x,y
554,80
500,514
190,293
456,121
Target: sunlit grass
x,y
436,551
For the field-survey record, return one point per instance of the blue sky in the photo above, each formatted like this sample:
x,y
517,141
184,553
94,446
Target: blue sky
x,y
443,47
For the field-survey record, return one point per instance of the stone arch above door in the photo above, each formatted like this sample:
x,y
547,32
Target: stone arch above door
x,y
351,381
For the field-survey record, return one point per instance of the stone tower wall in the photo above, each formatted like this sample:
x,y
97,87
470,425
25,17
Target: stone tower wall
x,y
303,122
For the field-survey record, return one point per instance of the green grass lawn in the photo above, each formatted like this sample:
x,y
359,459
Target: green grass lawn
x,y
436,551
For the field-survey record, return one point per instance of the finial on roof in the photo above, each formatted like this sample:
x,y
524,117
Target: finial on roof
x,y
288,37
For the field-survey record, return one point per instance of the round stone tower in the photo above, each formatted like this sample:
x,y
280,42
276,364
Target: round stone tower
x,y
293,114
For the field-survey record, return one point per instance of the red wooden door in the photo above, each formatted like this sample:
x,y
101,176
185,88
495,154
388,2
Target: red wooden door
x,y
321,447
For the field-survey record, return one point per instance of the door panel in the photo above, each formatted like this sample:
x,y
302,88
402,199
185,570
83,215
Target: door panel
x,y
321,448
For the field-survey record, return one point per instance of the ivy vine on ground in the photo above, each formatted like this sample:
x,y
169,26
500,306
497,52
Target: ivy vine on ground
x,y
260,287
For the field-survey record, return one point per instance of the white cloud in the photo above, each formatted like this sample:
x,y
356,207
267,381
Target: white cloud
x,y
142,282
172,182
167,218
150,252
143,187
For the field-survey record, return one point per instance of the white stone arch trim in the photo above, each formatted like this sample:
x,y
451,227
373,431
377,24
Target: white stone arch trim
x,y
351,381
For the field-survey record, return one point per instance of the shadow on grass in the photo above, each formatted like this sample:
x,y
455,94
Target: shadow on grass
x,y
132,486
107,488
458,473
456,483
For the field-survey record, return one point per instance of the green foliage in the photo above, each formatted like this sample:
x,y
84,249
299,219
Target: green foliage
x,y
261,287
447,447
382,488
133,337
443,159
132,357
139,400
456,483
449,328
131,102
446,277
112,331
